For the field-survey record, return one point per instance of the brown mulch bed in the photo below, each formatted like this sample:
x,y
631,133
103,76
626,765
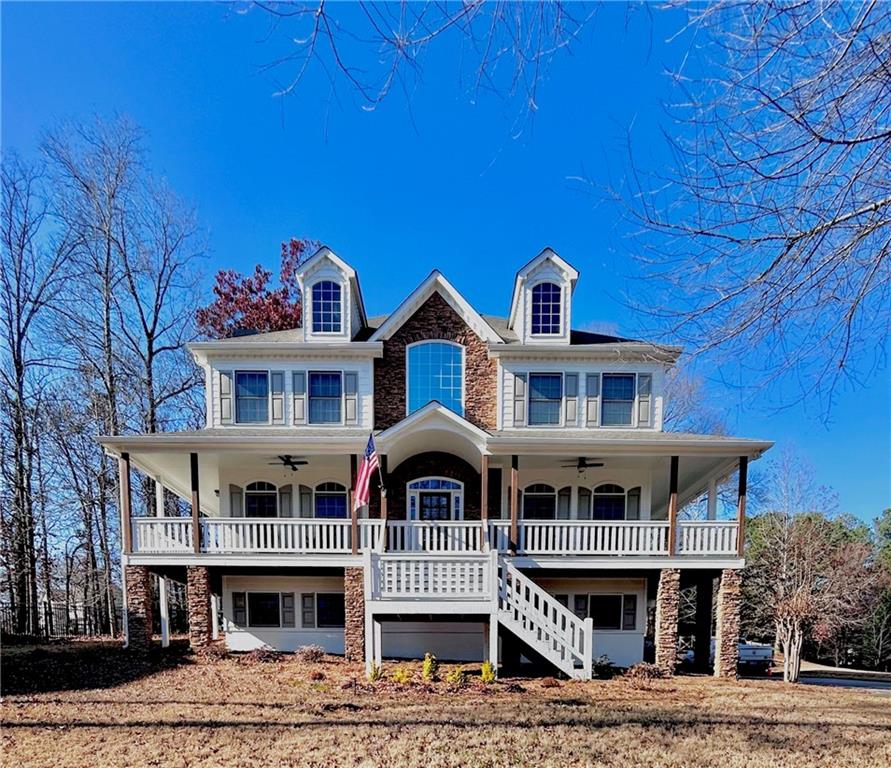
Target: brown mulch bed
x,y
93,704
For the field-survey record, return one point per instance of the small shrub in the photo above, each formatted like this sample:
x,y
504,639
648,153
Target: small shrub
x,y
316,675
549,682
374,673
456,677
402,675
262,655
430,668
603,668
213,652
645,671
487,672
310,654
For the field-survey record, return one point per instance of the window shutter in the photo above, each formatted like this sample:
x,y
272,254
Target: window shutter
x,y
592,399
632,511
584,504
308,611
571,397
305,501
644,396
299,381
288,617
580,606
236,501
277,386
564,495
629,612
351,397
285,495
239,609
520,400
226,397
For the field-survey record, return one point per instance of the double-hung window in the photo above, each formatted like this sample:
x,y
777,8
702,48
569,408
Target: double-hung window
x,y
618,399
545,398
613,611
251,397
325,397
326,307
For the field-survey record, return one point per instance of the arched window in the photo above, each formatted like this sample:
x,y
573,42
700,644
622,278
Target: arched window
x,y
608,502
260,500
331,500
435,498
539,502
436,372
546,309
326,307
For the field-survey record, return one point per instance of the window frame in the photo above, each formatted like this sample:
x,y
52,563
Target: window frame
x,y
316,492
235,374
247,602
297,593
413,498
312,313
623,495
309,399
274,493
560,318
632,424
561,409
451,343
621,596
554,493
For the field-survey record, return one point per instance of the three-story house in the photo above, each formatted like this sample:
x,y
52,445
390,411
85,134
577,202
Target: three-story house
x,y
528,502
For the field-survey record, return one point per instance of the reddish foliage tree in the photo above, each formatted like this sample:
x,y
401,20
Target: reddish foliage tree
x,y
247,302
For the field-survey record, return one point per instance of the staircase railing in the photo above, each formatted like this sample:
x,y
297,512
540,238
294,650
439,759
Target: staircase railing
x,y
546,625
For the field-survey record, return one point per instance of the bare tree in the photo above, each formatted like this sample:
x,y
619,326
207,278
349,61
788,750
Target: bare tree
x,y
809,575
506,48
772,226
33,271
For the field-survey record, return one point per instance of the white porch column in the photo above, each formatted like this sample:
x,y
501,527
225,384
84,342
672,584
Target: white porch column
x,y
712,500
493,642
214,617
378,644
162,582
369,640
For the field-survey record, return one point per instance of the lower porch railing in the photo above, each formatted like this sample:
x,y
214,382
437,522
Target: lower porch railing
x,y
534,537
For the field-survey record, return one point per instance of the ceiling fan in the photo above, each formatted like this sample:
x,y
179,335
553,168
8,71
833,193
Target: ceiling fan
x,y
584,463
292,462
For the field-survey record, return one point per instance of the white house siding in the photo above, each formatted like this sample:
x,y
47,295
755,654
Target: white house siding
x,y
447,640
510,367
624,648
283,639
364,367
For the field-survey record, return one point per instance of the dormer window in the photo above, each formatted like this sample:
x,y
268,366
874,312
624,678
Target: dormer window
x,y
546,306
326,307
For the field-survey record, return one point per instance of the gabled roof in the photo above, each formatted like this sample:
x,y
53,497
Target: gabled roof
x,y
547,254
435,283
435,415
325,253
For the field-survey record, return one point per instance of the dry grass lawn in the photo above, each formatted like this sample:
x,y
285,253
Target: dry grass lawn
x,y
89,705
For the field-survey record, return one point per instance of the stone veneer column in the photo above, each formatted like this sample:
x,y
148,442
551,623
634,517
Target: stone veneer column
x,y
139,607
198,598
354,607
667,600
727,634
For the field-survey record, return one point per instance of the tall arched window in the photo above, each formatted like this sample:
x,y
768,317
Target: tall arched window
x,y
546,309
260,500
326,307
435,498
331,500
539,502
435,372
608,502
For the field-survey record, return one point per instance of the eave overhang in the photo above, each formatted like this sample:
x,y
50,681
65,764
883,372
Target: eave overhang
x,y
619,352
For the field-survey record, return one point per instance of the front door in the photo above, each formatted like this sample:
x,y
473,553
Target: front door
x,y
434,506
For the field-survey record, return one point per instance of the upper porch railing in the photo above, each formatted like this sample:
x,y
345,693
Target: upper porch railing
x,y
173,535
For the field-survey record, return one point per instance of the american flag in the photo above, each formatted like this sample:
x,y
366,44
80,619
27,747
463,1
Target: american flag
x,y
370,462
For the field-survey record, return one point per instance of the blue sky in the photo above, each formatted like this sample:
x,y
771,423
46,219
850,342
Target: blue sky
x,y
432,180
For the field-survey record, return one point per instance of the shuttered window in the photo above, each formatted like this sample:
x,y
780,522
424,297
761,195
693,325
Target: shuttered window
x,y
325,397
252,397
617,396
545,398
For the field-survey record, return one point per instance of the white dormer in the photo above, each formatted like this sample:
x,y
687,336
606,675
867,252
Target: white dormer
x,y
333,309
541,304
